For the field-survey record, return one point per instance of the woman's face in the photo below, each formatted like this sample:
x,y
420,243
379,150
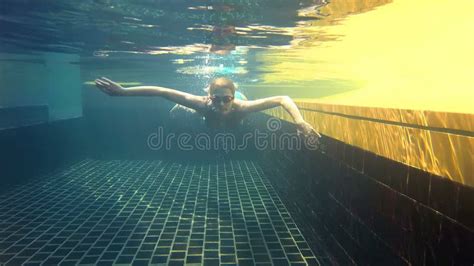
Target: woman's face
x,y
222,99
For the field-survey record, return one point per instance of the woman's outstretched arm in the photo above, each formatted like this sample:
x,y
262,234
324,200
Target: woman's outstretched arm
x,y
287,103
179,97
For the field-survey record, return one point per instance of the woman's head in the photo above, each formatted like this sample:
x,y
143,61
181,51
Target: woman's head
x,y
221,93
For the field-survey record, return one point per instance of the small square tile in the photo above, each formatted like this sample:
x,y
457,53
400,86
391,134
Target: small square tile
x,y
211,254
261,258
211,246
159,259
124,259
227,259
195,250
280,262
193,259
244,254
138,262
89,260
211,262
177,255
295,258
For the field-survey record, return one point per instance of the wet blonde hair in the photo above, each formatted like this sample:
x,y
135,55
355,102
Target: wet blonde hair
x,y
219,83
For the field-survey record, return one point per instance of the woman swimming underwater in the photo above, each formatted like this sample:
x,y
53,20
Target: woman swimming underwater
x,y
220,108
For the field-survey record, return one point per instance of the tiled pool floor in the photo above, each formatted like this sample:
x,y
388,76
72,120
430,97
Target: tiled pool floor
x,y
150,212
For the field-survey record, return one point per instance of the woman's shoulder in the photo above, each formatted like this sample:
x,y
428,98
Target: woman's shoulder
x,y
239,106
240,96
206,107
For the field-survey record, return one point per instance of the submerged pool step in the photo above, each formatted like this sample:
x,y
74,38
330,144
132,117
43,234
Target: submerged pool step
x,y
150,212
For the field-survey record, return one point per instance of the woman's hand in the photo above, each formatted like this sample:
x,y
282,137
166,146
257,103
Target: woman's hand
x,y
306,129
110,87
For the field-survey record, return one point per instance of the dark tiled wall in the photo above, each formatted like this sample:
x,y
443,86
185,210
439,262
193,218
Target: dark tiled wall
x,y
123,133
375,210
417,214
29,151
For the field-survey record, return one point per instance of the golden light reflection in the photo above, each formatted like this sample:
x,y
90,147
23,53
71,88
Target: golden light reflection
x,y
405,54
442,153
397,80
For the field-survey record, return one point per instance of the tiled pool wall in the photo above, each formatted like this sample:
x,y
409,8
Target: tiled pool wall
x,y
124,134
29,151
39,147
372,210
365,208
